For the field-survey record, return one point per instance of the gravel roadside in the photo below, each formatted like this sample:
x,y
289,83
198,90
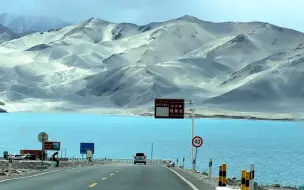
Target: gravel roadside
x,y
233,183
23,168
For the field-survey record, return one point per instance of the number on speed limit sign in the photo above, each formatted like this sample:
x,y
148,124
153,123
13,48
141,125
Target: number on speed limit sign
x,y
197,141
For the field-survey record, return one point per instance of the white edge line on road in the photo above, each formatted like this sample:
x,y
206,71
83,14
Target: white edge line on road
x,y
188,182
4,180
44,173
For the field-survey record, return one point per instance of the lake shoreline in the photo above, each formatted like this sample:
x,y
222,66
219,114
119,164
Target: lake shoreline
x,y
221,116
187,115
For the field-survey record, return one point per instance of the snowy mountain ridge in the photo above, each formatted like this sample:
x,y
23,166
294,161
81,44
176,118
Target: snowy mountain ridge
x,y
22,24
7,34
96,64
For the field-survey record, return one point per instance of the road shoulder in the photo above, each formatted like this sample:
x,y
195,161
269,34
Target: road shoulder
x,y
192,179
38,172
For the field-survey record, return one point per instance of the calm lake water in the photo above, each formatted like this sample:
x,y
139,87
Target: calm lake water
x,y
276,148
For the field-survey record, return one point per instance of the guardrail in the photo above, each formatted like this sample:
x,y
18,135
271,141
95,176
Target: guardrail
x,y
123,160
153,161
84,159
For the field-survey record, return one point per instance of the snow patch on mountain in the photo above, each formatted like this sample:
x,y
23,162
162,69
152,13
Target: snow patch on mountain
x,y
98,64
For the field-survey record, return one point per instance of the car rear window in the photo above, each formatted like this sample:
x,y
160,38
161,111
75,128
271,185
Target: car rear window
x,y
140,154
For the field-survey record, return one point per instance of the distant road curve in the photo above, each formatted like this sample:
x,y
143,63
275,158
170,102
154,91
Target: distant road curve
x,y
108,177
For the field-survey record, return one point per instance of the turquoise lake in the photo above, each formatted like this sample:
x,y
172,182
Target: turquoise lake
x,y
276,148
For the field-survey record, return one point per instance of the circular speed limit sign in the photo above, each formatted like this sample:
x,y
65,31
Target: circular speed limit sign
x,y
197,141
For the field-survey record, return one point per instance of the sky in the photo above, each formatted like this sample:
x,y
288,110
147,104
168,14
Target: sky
x,y
285,13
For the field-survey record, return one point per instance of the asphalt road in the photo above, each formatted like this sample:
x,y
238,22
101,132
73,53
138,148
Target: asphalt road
x,y
102,177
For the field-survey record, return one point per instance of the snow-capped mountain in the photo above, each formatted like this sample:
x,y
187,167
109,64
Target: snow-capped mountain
x,y
23,24
98,64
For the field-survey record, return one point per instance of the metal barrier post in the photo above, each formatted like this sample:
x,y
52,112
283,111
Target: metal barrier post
x,y
247,180
210,168
243,186
220,183
251,182
224,175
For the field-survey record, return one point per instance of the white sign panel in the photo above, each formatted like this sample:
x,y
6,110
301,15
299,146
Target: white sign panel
x,y
89,154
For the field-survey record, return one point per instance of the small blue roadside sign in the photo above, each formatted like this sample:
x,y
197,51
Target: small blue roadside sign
x,y
86,146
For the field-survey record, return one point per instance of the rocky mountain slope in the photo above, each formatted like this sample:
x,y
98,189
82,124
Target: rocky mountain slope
x,y
100,65
6,34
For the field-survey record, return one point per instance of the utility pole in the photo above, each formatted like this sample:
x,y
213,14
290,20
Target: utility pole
x,y
152,152
42,153
192,109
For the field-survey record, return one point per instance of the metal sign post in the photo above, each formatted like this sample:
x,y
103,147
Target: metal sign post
x,y
210,168
174,109
195,155
42,137
42,153
151,152
192,109
10,161
197,142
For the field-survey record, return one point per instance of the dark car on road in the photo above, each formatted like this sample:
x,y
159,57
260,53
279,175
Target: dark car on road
x,y
140,158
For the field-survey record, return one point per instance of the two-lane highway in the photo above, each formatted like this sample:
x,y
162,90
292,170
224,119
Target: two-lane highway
x,y
144,177
102,177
